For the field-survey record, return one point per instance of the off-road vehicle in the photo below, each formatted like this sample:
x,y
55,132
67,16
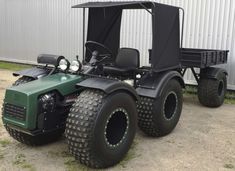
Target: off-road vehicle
x,y
99,102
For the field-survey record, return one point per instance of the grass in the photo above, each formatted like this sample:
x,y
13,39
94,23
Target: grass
x,y
1,156
63,154
229,98
130,155
229,166
13,66
20,160
53,154
72,165
4,142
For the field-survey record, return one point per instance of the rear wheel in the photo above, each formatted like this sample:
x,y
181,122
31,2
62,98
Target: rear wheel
x,y
211,92
158,117
100,128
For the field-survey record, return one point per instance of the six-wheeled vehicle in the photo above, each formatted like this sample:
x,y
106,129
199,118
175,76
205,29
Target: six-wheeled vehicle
x,y
99,102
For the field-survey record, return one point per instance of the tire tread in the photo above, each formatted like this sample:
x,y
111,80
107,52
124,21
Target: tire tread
x,y
36,140
146,121
79,128
208,91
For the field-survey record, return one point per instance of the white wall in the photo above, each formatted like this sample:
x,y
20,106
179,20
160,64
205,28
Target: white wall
x,y
31,27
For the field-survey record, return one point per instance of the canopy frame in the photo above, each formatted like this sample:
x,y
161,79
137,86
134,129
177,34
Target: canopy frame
x,y
144,5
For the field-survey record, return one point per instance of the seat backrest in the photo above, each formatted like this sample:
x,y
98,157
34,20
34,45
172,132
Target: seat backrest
x,y
128,58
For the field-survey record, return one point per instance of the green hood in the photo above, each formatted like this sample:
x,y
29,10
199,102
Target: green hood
x,y
24,98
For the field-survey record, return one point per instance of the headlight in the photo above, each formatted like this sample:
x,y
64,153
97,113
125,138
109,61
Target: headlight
x,y
75,66
63,64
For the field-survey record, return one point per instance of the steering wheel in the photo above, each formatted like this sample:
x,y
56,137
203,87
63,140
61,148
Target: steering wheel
x,y
103,51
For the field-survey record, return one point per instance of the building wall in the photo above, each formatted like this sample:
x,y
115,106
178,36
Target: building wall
x,y
31,27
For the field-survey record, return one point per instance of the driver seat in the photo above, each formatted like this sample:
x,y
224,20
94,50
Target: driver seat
x,y
127,61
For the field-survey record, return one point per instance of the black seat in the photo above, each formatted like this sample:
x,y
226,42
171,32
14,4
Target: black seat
x,y
127,61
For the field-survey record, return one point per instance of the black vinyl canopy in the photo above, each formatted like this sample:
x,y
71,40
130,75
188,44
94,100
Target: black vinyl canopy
x,y
104,23
122,4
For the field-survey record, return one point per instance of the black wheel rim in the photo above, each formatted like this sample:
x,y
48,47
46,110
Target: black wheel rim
x,y
116,127
170,105
221,88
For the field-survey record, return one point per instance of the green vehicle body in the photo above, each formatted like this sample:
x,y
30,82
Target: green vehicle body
x,y
26,96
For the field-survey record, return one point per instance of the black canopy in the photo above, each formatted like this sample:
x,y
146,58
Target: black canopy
x,y
122,4
104,27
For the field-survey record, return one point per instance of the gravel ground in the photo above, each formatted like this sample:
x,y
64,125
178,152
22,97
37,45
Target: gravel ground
x,y
204,139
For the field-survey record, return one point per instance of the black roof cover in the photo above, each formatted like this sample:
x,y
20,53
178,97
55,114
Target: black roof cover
x,y
104,27
122,4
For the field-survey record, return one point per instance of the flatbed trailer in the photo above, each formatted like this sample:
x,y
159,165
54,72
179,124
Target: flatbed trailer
x,y
212,81
202,59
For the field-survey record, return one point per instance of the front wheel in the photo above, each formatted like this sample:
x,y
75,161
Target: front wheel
x,y
28,139
100,128
34,140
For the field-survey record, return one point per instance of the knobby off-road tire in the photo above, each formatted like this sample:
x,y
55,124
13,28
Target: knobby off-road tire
x,y
158,117
27,139
37,140
100,128
211,92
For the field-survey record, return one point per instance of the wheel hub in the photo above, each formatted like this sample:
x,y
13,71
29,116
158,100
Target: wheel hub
x,y
170,105
116,127
220,88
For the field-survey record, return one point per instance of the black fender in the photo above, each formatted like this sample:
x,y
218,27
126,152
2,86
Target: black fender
x,y
152,86
212,72
35,72
108,86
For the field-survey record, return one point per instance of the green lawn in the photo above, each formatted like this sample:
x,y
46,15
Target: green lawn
x,y
13,66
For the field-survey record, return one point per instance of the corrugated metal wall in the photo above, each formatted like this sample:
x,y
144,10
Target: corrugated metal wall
x,y
31,27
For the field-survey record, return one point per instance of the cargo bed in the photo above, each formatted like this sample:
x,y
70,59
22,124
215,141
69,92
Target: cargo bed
x,y
202,58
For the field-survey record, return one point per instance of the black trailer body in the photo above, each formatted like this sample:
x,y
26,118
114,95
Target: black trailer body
x,y
202,58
